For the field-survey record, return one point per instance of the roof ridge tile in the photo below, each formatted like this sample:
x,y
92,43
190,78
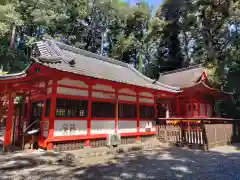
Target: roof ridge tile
x,y
90,54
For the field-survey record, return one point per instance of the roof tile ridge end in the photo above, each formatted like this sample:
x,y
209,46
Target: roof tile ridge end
x,y
89,54
151,80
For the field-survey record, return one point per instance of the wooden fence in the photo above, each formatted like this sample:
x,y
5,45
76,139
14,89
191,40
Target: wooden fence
x,y
200,136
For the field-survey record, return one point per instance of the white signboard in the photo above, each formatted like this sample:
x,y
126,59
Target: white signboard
x,y
102,126
70,127
127,126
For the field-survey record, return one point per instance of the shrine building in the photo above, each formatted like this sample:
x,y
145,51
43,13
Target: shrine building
x,y
76,98
198,99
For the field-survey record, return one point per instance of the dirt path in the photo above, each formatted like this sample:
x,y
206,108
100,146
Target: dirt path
x,y
160,163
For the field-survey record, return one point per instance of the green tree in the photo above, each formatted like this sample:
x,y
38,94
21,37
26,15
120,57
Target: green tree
x,y
128,34
170,12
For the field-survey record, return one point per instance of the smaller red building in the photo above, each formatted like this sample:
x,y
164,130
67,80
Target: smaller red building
x,y
198,98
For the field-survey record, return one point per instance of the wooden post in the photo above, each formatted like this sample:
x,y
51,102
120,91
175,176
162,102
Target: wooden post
x,y
217,109
178,106
205,106
116,126
87,143
185,109
29,111
27,119
154,122
52,113
191,101
43,115
8,129
199,108
215,134
138,116
167,110
44,109
116,114
181,134
165,132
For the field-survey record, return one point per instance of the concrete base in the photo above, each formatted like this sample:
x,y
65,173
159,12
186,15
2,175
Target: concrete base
x,y
92,152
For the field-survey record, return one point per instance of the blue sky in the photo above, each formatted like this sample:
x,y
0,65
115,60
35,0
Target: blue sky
x,y
151,2
154,2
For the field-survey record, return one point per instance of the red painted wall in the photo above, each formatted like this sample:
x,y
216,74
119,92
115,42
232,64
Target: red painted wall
x,y
47,142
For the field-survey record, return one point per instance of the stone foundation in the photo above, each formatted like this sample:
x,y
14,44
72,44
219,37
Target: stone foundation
x,y
68,145
96,143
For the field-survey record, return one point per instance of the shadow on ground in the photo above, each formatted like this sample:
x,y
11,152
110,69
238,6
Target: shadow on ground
x,y
157,164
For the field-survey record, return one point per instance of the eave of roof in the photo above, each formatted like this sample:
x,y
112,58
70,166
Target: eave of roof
x,y
182,78
190,77
183,69
217,90
58,55
217,93
15,75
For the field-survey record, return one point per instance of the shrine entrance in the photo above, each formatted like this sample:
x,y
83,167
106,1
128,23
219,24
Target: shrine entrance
x,y
17,124
36,115
20,117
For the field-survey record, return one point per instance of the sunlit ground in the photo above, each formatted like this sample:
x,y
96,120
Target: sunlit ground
x,y
160,163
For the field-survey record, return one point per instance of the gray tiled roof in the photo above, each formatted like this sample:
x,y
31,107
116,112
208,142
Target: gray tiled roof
x,y
182,78
58,55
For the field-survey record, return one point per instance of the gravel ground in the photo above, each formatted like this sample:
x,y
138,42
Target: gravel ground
x,y
156,164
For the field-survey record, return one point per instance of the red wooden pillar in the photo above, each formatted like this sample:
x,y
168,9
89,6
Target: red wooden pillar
x,y
191,101
8,128
42,118
155,107
116,124
178,106
87,144
199,108
205,107
29,111
52,113
156,111
138,116
44,109
185,109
